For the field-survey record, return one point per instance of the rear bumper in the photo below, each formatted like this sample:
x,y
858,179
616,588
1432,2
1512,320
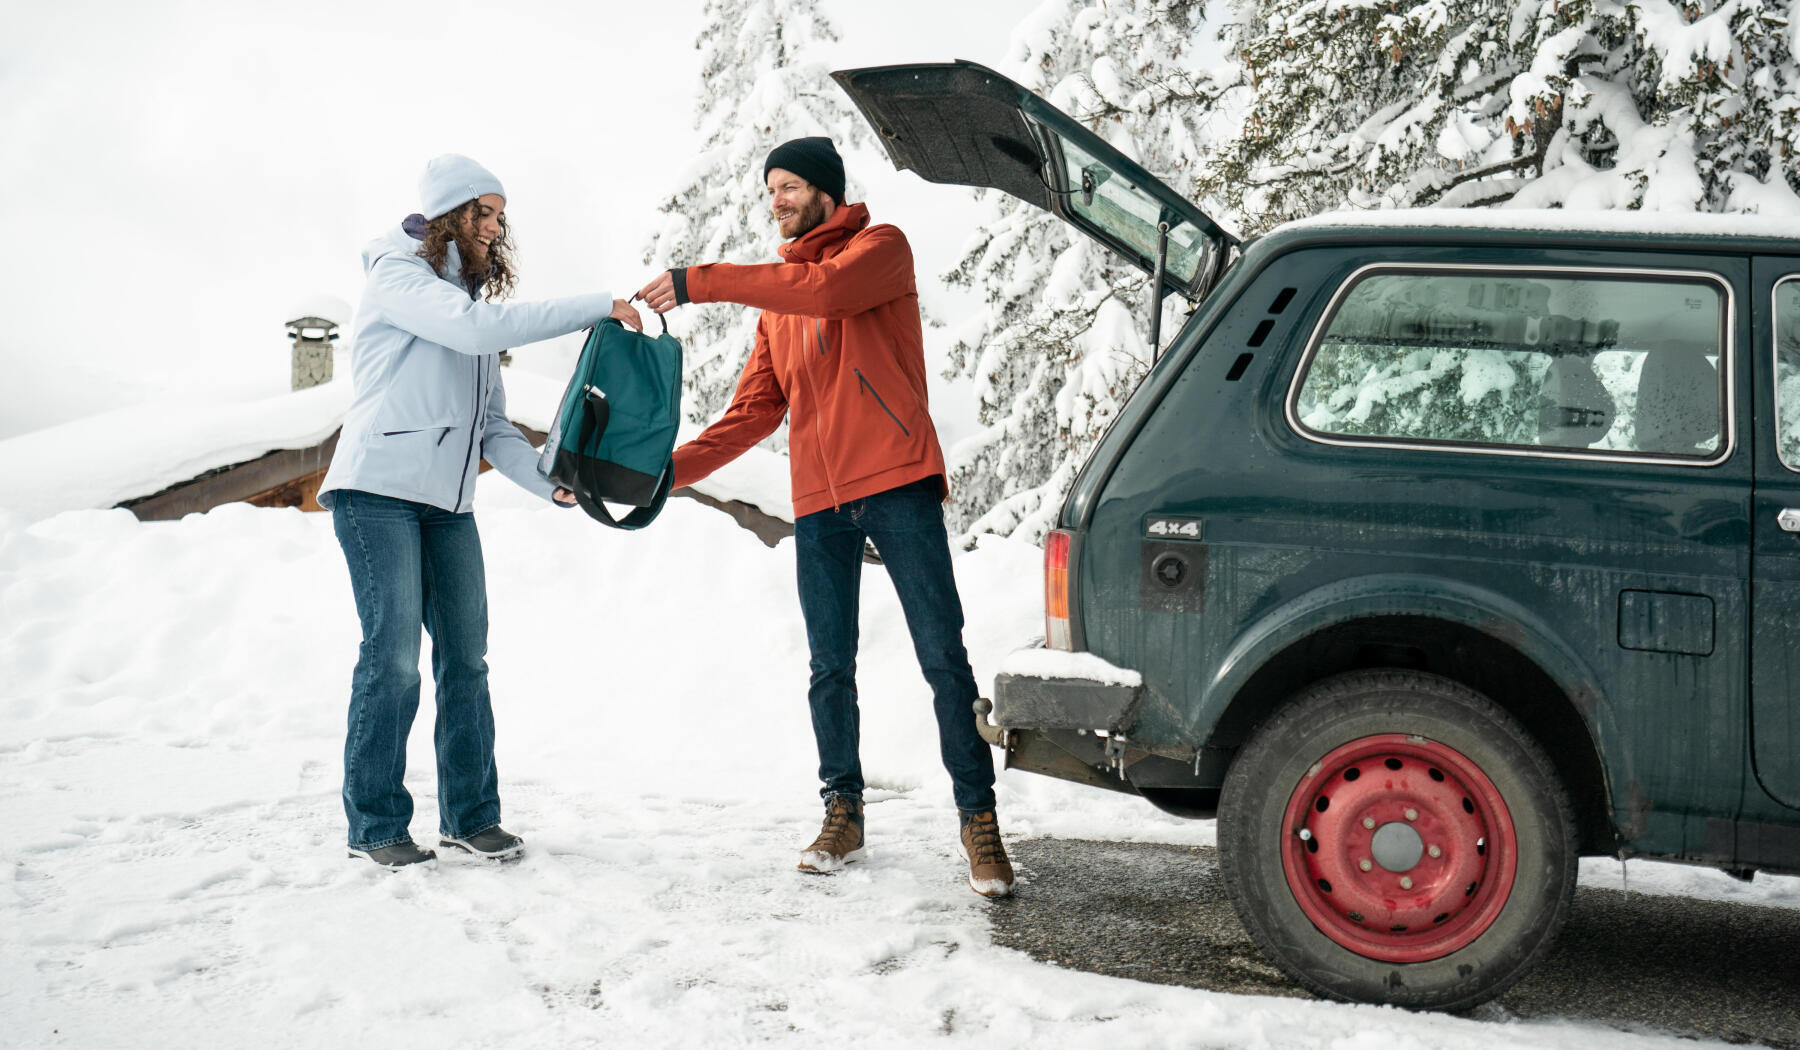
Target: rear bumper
x,y
1033,702
1067,715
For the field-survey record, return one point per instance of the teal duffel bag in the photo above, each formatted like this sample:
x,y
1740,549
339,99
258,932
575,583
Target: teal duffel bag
x,y
615,433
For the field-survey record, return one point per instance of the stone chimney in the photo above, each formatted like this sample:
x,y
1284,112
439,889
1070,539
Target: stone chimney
x,y
314,331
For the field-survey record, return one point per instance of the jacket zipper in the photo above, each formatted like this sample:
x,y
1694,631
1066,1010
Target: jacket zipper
x,y
819,335
870,387
475,425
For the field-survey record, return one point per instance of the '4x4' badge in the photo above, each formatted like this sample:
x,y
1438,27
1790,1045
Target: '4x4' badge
x,y
1172,528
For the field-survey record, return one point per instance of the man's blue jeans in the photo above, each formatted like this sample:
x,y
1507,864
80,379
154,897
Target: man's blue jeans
x,y
907,527
414,565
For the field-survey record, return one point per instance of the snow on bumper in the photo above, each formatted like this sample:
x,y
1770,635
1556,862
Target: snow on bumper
x,y
1052,689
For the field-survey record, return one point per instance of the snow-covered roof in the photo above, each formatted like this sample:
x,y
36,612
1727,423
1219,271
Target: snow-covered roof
x,y
325,307
1642,223
531,398
105,459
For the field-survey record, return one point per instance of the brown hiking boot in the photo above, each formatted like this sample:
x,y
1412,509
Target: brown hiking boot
x,y
990,873
840,840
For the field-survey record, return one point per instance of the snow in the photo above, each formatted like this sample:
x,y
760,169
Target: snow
x,y
104,459
172,729
1462,139
323,306
1483,372
180,856
1055,663
1638,223
533,399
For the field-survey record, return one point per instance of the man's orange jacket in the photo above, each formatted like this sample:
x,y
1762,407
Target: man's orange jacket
x,y
840,352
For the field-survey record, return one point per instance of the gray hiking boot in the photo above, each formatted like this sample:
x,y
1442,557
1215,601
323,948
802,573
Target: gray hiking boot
x,y
399,855
496,843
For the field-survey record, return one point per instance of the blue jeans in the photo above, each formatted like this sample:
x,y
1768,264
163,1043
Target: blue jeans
x,y
906,525
414,565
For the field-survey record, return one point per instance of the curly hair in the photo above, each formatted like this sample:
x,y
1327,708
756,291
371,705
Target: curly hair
x,y
454,226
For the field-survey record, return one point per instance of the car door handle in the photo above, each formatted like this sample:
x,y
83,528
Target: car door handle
x,y
1789,519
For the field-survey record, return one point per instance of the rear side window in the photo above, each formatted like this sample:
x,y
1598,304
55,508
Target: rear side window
x,y
1787,371
1568,362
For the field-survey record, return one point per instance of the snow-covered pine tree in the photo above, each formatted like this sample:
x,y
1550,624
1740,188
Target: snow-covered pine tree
x,y
758,89
1684,105
1060,339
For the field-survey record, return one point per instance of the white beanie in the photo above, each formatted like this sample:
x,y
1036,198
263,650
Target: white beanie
x,y
451,180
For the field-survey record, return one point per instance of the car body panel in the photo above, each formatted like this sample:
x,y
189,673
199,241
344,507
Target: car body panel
x,y
1775,647
1547,555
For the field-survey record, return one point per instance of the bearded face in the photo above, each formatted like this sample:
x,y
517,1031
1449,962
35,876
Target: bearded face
x,y
798,205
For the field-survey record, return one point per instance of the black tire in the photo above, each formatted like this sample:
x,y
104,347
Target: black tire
x,y
1408,729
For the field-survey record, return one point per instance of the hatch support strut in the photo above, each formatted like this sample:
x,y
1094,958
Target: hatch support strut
x,y
1156,290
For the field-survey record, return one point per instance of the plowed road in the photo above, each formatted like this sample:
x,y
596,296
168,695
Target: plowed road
x,y
1632,960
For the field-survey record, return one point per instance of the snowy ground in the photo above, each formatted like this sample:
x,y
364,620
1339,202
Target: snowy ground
x,y
170,734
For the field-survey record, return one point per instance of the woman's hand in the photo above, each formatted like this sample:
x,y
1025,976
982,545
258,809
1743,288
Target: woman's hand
x,y
625,314
563,496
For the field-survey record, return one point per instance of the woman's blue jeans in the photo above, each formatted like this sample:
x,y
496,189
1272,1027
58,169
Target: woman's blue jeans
x,y
907,527
414,565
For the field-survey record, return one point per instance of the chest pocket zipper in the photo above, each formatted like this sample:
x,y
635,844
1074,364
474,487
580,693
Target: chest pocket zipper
x,y
870,387
443,432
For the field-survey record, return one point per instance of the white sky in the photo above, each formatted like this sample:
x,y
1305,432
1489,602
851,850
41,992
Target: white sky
x,y
177,176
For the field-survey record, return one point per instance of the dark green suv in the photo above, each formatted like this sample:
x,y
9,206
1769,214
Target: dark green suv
x,y
1438,550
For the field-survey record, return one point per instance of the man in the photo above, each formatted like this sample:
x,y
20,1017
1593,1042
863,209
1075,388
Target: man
x,y
840,352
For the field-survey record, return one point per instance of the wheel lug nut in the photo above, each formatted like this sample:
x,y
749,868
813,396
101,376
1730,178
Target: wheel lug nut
x,y
1369,822
1435,852
1412,814
1405,882
1365,865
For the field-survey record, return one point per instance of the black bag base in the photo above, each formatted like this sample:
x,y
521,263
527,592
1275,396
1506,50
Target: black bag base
x,y
612,482
619,485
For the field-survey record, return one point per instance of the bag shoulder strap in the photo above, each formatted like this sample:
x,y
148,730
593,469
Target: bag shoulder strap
x,y
639,516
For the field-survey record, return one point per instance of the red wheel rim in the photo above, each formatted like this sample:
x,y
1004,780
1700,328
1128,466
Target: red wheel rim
x,y
1399,848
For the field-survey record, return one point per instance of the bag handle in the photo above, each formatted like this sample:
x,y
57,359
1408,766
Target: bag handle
x,y
664,318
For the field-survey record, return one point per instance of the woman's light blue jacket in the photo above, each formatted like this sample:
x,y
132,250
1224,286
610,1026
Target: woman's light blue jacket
x,y
428,404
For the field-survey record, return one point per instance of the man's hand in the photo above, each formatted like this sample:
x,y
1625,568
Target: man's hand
x,y
659,294
625,314
562,495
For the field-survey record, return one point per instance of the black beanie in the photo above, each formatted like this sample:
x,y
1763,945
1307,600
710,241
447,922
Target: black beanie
x,y
814,159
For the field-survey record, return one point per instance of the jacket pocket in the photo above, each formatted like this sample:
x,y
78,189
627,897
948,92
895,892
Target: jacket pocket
x,y
441,432
869,388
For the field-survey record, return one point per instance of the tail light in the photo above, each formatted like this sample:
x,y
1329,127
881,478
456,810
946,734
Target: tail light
x,y
1056,590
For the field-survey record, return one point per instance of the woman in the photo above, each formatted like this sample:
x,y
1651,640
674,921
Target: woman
x,y
428,407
